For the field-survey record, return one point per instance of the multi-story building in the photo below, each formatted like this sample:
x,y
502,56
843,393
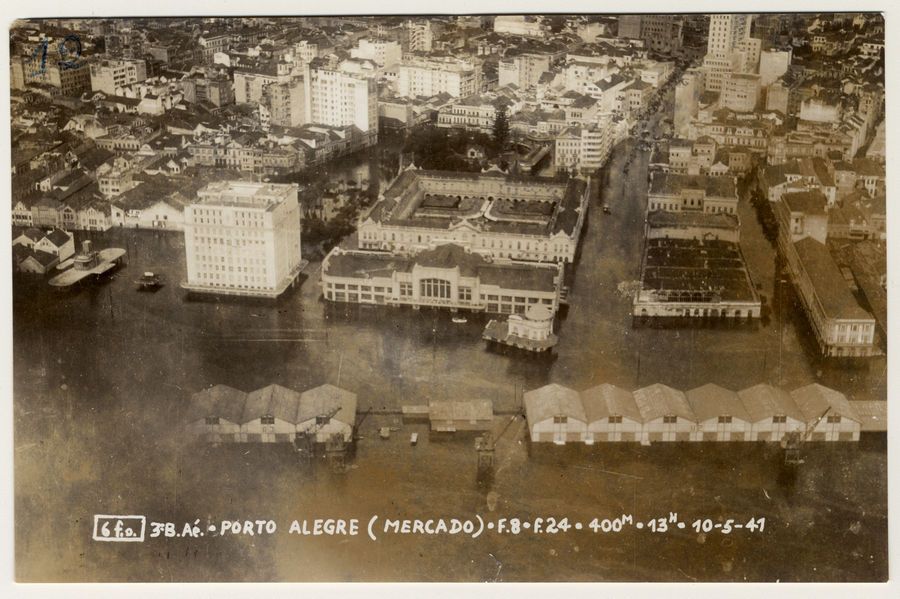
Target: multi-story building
x,y
740,92
212,42
661,33
284,103
109,74
198,89
339,99
446,276
773,64
729,34
243,238
698,193
432,76
528,26
583,148
523,70
421,35
250,80
501,216
384,53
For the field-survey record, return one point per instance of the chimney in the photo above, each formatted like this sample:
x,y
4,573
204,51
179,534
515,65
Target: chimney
x,y
86,247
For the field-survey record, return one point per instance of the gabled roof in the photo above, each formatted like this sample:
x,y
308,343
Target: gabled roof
x,y
660,400
58,237
220,401
711,401
764,401
321,400
553,400
608,400
272,400
814,399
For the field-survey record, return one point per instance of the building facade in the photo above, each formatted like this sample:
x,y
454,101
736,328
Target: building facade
x,y
243,238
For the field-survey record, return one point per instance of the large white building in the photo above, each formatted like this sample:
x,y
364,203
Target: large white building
x,y
529,26
107,75
584,148
384,53
432,76
504,217
523,70
338,99
730,49
243,238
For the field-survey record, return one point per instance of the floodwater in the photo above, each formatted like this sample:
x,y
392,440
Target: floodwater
x,y
101,377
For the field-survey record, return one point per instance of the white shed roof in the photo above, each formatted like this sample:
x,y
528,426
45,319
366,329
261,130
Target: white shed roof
x,y
325,398
814,399
660,400
608,400
764,401
553,400
273,400
219,401
712,401
474,409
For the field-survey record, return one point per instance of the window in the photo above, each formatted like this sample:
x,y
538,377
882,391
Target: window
x,y
834,418
322,420
267,420
435,288
212,420
405,289
670,419
779,419
615,420
465,294
560,419
724,419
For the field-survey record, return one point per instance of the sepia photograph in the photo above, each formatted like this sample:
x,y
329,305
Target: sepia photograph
x,y
454,298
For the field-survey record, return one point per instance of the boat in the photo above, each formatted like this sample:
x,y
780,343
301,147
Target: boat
x,y
460,319
149,280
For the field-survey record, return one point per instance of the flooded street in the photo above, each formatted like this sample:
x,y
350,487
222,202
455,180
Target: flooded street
x,y
102,376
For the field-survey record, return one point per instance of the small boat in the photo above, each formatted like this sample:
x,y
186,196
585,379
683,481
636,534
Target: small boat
x,y
460,319
149,280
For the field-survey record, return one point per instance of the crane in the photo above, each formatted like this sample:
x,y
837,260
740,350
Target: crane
x,y
792,440
304,442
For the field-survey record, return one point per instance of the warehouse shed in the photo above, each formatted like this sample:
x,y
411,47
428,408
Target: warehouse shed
x,y
270,415
772,412
327,410
612,414
829,415
214,414
451,416
555,414
666,414
720,414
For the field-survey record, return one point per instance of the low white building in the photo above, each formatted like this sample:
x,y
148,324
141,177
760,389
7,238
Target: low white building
x,y
555,414
327,410
612,414
666,414
214,415
829,415
721,416
772,412
270,415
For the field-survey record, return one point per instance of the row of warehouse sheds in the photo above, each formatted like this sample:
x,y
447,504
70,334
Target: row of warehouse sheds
x,y
561,415
271,414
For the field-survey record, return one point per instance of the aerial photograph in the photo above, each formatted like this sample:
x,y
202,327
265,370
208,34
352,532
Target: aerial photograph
x,y
449,298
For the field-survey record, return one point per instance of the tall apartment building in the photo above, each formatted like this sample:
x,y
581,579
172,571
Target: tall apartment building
x,y
199,89
584,148
250,81
772,65
285,103
384,53
71,80
523,70
339,99
242,238
421,36
740,92
728,47
211,43
109,74
432,76
660,33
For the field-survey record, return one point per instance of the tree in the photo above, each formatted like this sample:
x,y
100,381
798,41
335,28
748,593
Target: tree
x,y
501,128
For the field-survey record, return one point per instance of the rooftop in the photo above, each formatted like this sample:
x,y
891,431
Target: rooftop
x,y
835,297
673,184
